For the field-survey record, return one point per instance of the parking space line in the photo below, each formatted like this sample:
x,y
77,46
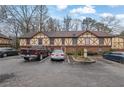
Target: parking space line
x,y
43,60
68,60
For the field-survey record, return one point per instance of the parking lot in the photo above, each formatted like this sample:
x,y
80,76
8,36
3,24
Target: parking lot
x,y
45,73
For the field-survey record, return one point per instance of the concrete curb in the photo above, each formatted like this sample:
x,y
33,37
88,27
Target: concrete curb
x,y
80,61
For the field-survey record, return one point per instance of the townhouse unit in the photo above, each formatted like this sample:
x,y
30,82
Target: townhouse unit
x,y
73,40
4,41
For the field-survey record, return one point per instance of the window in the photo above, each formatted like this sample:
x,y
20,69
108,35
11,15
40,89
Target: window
x,y
28,41
52,41
87,41
40,41
101,41
74,41
63,41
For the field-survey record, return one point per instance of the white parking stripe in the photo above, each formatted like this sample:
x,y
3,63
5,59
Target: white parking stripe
x,y
68,59
44,59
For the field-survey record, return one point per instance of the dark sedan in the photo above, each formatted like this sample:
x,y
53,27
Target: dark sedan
x,y
115,56
8,52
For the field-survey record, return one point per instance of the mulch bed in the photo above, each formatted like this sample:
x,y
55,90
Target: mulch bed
x,y
82,60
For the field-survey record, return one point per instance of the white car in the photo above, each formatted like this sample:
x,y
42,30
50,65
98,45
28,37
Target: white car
x,y
57,55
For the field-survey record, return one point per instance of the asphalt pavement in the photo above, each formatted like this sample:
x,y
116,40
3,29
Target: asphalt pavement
x,y
47,73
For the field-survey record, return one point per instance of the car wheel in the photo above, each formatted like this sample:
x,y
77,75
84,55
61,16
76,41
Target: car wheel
x,y
51,59
63,59
40,57
5,55
120,61
26,59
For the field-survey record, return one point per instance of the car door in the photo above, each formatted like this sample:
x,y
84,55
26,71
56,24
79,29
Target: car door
x,y
108,56
119,58
9,52
14,52
113,57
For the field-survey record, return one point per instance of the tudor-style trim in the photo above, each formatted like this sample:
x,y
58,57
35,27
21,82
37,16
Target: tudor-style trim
x,y
32,35
117,43
92,32
83,39
86,32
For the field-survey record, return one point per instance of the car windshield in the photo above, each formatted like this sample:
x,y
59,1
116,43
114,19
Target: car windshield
x,y
57,51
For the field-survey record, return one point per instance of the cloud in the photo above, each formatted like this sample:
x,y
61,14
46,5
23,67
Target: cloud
x,y
113,6
83,10
106,15
61,7
120,16
82,17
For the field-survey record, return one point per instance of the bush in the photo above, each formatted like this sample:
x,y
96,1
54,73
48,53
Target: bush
x,y
79,52
105,52
70,53
91,53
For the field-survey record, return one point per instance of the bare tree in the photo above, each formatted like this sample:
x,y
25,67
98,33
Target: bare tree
x,y
111,22
17,20
42,16
3,13
67,23
76,24
122,33
50,24
102,27
23,15
53,25
88,23
15,30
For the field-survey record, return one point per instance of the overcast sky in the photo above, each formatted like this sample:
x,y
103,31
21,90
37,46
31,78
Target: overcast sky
x,y
81,11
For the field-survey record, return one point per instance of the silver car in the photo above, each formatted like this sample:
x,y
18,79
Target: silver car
x,y
57,55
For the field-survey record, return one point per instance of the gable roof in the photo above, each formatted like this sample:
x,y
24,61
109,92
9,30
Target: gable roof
x,y
3,36
62,34
101,34
120,36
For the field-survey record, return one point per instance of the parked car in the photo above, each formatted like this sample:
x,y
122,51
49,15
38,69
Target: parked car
x,y
8,52
57,55
35,52
115,56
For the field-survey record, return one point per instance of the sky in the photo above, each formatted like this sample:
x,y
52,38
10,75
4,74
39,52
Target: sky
x,y
83,11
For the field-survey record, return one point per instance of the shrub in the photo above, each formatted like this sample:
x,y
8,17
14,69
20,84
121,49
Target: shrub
x,y
91,53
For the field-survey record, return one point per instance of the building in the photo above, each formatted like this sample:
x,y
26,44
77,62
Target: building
x,y
4,41
73,40
118,43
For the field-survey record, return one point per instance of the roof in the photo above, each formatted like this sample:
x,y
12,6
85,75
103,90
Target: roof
x,y
3,36
66,34
121,36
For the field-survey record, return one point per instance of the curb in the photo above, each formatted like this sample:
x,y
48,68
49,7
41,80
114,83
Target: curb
x,y
80,61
